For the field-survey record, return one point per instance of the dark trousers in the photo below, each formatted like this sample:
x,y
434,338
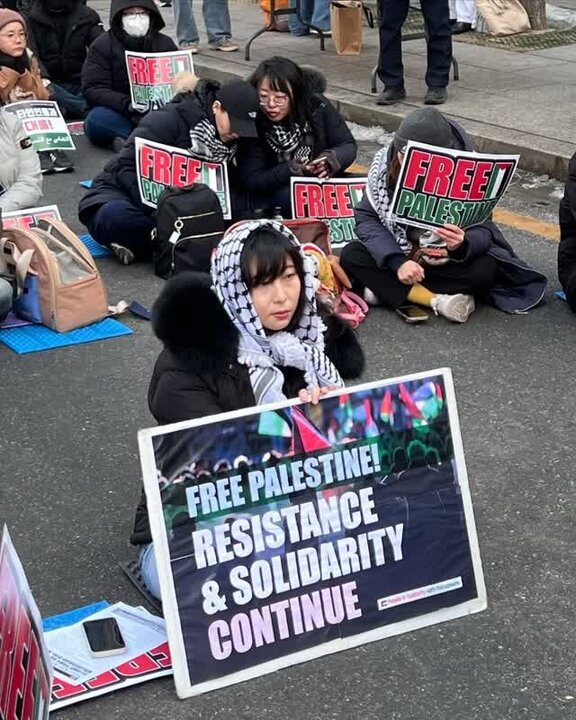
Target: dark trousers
x,y
119,221
70,100
102,125
439,42
476,277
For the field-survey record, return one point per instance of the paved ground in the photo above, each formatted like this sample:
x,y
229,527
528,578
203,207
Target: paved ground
x,y
71,482
505,99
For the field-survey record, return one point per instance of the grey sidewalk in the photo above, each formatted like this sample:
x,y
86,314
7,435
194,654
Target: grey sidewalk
x,y
508,101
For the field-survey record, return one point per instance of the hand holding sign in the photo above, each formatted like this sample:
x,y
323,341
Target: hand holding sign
x,y
452,235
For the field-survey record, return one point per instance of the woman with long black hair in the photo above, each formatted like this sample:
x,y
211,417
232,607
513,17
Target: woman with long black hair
x,y
299,133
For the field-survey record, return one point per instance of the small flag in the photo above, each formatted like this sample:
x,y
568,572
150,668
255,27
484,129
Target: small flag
x,y
305,435
274,424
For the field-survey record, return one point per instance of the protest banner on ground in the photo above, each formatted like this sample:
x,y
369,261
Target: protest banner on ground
x,y
151,76
25,219
25,670
150,665
160,166
43,122
332,201
286,533
438,186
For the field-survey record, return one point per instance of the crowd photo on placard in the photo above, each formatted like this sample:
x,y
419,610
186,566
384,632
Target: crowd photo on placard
x,y
246,197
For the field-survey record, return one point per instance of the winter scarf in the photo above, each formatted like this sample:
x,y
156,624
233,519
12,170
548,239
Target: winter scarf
x,y
302,348
19,64
377,194
206,145
289,143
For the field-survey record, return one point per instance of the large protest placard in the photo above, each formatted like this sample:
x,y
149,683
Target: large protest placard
x,y
25,670
25,219
151,76
285,533
438,186
160,166
332,201
43,122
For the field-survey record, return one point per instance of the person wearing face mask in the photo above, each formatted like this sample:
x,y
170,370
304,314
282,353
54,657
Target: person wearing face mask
x,y
105,83
206,119
390,260
299,133
59,34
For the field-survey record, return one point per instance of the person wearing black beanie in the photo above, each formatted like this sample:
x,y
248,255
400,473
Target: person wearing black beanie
x,y
447,270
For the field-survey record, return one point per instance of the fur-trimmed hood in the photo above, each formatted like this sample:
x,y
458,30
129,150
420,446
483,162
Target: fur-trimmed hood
x,y
195,329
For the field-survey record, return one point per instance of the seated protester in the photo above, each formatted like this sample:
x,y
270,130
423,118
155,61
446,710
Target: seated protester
x,y
255,337
59,34
479,265
20,79
567,247
299,133
20,177
206,122
105,83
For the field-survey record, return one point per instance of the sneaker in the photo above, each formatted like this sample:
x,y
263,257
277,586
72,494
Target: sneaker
x,y
118,144
164,3
46,162
123,255
62,162
391,95
370,298
436,96
191,47
224,45
456,308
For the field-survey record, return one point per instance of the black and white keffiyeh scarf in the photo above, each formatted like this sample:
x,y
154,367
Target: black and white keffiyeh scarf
x,y
264,355
377,194
289,143
206,145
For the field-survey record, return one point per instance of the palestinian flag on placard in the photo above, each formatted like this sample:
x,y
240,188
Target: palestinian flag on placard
x,y
346,413
410,406
387,408
438,388
274,424
370,427
305,435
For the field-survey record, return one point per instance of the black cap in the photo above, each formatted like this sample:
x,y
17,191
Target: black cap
x,y
240,100
425,125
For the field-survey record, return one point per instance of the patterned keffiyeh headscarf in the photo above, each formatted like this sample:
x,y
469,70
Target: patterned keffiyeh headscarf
x,y
290,143
302,348
206,145
377,194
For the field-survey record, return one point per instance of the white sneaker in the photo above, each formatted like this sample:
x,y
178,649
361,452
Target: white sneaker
x,y
456,308
370,298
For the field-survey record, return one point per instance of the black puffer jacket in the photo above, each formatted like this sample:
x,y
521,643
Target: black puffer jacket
x,y
104,75
197,373
259,170
61,40
170,125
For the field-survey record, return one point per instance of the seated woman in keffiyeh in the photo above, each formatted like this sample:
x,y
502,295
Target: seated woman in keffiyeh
x,y
400,264
299,133
255,337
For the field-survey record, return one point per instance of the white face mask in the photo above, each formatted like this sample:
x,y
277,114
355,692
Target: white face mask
x,y
136,25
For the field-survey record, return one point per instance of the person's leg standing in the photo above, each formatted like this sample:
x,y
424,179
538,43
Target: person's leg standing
x,y
439,49
218,26
306,9
321,15
186,28
393,13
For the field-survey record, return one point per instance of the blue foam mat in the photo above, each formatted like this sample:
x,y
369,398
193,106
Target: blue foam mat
x,y
94,248
72,616
85,183
34,338
561,294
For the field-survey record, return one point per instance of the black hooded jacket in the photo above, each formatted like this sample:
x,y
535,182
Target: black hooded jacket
x,y
104,75
170,125
60,40
260,172
197,373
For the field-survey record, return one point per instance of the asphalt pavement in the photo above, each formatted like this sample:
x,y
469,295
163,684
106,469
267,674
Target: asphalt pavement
x,y
70,483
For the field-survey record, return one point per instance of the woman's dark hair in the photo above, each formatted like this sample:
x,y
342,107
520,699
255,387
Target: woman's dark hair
x,y
264,258
285,76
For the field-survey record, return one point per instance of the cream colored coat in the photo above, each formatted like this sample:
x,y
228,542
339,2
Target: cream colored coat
x,y
20,175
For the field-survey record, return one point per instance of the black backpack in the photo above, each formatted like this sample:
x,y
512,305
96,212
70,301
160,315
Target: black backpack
x,y
189,225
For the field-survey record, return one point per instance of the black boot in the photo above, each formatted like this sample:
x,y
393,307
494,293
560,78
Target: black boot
x,y
460,27
391,95
435,96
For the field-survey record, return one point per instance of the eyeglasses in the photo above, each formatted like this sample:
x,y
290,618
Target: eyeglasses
x,y
279,100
